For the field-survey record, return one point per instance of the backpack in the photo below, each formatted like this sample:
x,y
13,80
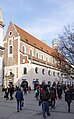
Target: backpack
x,y
45,95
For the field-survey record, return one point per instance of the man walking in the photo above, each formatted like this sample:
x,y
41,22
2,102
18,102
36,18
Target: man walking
x,y
44,96
19,98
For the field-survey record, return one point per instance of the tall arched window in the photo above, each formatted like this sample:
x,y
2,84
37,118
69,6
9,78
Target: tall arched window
x,y
25,71
30,52
23,49
37,54
42,57
10,49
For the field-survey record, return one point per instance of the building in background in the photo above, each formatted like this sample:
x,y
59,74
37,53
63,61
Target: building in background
x,y
1,48
28,58
55,44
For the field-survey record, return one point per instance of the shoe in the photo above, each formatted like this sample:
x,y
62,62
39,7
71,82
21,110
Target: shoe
x,y
68,110
17,110
21,109
44,117
49,114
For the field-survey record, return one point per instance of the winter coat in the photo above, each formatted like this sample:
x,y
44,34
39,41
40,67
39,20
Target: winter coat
x,y
19,95
52,93
68,96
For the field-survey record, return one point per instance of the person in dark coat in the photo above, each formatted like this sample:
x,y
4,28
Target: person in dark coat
x,y
19,98
68,97
53,96
44,96
59,90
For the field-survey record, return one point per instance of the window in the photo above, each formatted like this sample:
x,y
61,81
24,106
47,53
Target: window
x,y
37,54
43,71
10,49
36,70
23,49
58,74
30,52
10,33
25,71
46,59
54,73
49,72
42,57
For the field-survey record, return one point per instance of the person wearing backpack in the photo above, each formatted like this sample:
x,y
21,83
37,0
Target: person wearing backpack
x,y
44,96
53,96
37,93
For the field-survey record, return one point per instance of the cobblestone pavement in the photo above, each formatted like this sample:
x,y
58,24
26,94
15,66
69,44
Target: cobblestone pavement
x,y
31,109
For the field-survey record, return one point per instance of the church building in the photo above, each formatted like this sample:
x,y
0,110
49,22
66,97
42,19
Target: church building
x,y
28,58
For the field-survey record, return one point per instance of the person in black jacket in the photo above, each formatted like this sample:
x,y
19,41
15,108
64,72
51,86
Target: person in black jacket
x,y
68,97
19,98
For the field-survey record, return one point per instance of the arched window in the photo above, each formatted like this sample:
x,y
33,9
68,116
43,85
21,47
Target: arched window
x,y
37,54
58,74
42,57
36,70
25,71
54,73
43,71
49,72
10,49
46,59
30,52
23,49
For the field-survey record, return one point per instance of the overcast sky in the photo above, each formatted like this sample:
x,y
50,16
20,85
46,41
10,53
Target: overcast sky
x,y
44,19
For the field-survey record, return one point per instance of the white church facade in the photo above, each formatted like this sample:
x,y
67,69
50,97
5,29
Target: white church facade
x,y
28,58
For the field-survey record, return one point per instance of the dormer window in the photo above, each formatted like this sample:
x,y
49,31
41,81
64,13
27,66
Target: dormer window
x,y
41,48
26,40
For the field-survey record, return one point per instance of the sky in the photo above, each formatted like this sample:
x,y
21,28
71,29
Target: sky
x,y
44,19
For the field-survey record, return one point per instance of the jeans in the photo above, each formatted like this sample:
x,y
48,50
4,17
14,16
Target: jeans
x,y
19,105
53,103
45,108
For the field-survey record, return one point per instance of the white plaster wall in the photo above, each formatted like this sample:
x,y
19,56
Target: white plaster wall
x,y
31,74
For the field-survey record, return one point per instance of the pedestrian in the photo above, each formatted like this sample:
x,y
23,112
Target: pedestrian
x,y
68,97
59,90
37,93
11,91
44,97
19,98
6,93
53,96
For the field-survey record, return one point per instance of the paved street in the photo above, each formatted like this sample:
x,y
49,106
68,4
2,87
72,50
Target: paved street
x,y
32,110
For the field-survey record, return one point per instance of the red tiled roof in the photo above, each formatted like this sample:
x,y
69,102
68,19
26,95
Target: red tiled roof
x,y
37,43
